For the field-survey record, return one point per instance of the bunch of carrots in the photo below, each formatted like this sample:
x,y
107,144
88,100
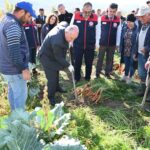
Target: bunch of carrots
x,y
87,93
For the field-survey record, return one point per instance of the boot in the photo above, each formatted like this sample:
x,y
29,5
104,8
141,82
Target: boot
x,y
52,102
61,90
146,107
141,90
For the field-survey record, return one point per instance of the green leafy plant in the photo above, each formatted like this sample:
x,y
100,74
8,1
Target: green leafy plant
x,y
19,136
54,123
23,130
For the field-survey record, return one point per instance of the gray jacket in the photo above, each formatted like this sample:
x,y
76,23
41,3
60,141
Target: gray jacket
x,y
53,51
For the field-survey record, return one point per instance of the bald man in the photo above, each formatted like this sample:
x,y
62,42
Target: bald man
x,y
52,55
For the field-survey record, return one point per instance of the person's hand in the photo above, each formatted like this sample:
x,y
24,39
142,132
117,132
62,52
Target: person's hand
x,y
147,65
26,74
71,68
143,50
134,57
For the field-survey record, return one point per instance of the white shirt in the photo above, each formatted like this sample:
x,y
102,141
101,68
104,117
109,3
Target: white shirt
x,y
141,39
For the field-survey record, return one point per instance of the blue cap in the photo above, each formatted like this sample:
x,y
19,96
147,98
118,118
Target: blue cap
x,y
26,6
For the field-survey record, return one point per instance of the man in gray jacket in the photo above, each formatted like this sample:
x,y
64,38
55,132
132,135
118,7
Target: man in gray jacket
x,y
52,54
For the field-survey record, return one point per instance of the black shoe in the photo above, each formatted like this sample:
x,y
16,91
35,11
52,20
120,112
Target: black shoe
x,y
146,107
87,79
148,100
108,76
77,81
59,89
141,90
97,76
140,93
52,102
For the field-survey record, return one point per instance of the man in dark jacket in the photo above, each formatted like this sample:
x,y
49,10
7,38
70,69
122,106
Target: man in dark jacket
x,y
64,15
14,54
52,55
32,38
84,45
142,48
108,33
40,21
147,67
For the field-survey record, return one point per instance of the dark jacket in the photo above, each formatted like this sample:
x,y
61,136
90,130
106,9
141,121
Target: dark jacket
x,y
31,34
87,35
133,39
52,53
40,20
65,17
109,31
146,44
45,29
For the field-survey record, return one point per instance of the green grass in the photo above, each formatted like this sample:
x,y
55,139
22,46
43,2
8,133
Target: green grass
x,y
97,133
115,90
117,123
101,128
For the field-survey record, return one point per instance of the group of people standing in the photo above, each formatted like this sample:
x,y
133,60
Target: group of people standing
x,y
84,31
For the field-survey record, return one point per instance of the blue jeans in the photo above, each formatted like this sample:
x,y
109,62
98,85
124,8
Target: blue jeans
x,y
129,70
17,91
141,67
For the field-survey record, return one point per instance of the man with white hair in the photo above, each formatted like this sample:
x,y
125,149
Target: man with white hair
x,y
52,55
143,46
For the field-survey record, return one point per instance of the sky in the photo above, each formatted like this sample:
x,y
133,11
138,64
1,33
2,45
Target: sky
x,y
124,5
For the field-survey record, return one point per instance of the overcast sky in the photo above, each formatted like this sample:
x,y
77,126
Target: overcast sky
x,y
124,5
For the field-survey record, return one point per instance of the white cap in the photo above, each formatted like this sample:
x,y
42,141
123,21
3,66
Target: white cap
x,y
143,11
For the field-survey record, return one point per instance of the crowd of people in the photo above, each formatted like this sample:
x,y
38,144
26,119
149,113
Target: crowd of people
x,y
25,36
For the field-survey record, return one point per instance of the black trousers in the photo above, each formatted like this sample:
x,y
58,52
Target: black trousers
x,y
52,82
72,56
32,55
88,57
39,35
